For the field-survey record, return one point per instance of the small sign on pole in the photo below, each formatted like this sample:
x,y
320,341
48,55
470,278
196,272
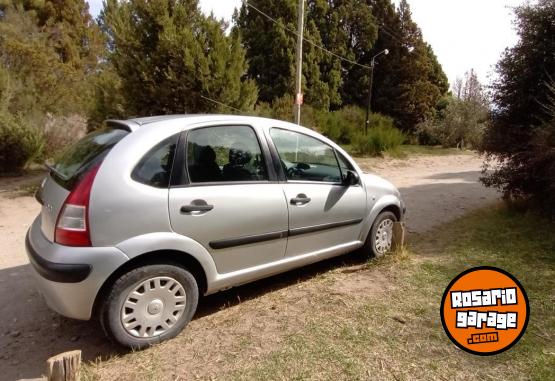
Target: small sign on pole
x,y
299,99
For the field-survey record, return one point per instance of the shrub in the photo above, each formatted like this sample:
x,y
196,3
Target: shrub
x,y
281,109
520,138
19,144
462,125
529,175
62,131
383,138
342,125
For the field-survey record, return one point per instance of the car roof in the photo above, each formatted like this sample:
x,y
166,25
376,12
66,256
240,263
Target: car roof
x,y
134,124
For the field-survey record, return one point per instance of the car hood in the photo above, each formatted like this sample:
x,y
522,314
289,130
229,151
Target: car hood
x,y
377,182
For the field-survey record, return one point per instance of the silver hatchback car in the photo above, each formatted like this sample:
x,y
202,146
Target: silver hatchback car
x,y
140,218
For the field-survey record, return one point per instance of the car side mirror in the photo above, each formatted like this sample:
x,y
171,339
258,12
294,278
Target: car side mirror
x,y
351,178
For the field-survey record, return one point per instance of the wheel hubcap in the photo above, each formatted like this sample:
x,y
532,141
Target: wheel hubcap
x,y
153,306
384,235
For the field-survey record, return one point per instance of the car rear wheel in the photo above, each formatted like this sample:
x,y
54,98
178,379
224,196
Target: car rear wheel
x,y
149,304
380,237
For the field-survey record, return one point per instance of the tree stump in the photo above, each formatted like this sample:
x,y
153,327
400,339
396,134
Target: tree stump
x,y
64,367
398,236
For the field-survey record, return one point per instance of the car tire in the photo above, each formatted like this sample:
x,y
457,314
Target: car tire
x,y
149,304
372,246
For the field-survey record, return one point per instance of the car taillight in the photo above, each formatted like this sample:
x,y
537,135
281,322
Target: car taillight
x,y
72,228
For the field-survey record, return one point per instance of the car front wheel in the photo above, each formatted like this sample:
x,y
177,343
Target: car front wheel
x,y
149,304
380,237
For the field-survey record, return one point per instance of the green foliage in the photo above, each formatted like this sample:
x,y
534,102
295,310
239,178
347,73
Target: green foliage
x,y
108,100
530,175
19,143
409,82
49,49
270,50
347,28
342,125
384,137
48,52
168,56
280,108
407,85
521,135
461,123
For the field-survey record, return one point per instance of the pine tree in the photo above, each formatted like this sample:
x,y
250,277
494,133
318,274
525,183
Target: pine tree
x,y
349,29
50,48
168,56
408,85
271,47
409,82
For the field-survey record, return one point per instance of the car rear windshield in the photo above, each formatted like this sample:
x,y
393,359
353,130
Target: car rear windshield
x,y
82,155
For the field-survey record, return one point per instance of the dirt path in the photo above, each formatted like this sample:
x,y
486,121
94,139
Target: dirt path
x,y
435,188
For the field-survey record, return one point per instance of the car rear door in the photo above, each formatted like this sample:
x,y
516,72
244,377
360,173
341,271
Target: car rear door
x,y
324,214
226,197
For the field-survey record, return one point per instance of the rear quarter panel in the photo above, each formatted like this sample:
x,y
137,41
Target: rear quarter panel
x,y
121,208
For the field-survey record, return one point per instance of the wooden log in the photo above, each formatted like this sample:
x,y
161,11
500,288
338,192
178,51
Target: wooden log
x,y
64,367
398,239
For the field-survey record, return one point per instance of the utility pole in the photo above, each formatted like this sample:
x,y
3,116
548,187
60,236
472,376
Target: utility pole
x,y
299,76
369,105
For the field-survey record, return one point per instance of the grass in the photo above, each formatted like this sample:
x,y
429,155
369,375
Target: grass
x,y
387,329
400,336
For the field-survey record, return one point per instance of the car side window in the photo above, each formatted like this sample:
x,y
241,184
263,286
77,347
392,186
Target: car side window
x,y
155,167
305,158
224,154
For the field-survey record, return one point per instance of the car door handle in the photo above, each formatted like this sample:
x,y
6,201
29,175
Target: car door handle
x,y
196,207
301,199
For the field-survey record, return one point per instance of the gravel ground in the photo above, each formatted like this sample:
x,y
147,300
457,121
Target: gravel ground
x,y
436,189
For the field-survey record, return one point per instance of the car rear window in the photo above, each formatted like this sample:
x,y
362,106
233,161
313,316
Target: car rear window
x,y
83,154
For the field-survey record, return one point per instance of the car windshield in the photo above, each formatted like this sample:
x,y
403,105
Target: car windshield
x,y
82,154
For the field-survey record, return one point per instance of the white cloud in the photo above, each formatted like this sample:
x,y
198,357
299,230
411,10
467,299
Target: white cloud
x,y
466,34
221,8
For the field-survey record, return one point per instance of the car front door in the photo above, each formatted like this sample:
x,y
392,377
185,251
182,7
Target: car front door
x,y
226,197
324,214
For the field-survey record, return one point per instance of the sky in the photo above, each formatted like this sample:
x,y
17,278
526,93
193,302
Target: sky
x,y
464,34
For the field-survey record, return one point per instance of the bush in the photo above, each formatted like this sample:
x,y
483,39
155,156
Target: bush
x,y
462,125
19,144
281,109
520,138
62,131
383,138
341,125
529,175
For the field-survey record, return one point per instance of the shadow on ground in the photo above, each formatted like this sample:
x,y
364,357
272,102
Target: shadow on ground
x,y
470,176
32,332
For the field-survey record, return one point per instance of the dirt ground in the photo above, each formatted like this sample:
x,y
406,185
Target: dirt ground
x,y
436,189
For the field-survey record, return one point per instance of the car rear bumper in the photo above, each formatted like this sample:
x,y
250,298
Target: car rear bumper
x,y
70,278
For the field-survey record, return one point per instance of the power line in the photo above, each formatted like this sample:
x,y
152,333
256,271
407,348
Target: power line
x,y
220,103
305,39
384,29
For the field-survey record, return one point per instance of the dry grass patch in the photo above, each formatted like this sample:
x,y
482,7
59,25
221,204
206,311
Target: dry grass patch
x,y
353,320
